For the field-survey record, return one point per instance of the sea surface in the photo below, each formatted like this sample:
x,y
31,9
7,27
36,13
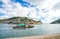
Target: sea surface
x,y
6,30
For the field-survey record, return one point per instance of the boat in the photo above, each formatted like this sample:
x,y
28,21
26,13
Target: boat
x,y
23,26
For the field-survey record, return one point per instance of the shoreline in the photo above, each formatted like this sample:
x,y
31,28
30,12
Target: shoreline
x,y
49,36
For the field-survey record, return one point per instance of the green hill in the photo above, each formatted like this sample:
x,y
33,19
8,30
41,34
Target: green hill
x,y
16,20
56,22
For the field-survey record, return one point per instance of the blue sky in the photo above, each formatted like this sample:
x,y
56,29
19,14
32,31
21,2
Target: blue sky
x,y
1,4
1,14
23,3
44,10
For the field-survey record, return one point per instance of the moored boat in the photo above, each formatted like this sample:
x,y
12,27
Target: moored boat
x,y
23,26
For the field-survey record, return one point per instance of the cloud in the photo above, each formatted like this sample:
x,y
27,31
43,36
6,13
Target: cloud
x,y
4,17
13,9
43,3
57,6
35,9
35,2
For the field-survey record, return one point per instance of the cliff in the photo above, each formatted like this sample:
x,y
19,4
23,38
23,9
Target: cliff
x,y
16,20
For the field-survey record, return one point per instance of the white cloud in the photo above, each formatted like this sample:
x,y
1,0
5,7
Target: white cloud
x,y
57,6
43,3
35,2
49,3
4,17
15,9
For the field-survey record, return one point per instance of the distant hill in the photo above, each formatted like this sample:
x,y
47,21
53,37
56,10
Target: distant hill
x,y
16,20
56,22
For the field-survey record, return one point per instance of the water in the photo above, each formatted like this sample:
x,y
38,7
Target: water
x,y
6,30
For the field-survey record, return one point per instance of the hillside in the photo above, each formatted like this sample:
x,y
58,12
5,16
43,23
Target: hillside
x,y
56,22
16,20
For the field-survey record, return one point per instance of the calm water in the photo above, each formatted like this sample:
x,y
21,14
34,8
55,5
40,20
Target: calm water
x,y
6,30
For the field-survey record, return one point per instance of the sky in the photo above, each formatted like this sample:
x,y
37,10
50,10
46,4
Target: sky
x,y
45,10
